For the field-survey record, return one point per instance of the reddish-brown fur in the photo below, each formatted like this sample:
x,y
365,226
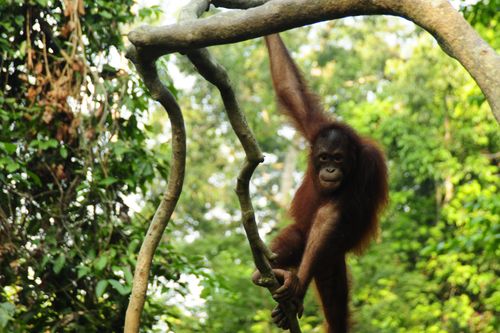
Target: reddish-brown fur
x,y
326,225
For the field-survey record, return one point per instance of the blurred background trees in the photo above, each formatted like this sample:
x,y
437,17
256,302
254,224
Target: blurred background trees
x,y
84,155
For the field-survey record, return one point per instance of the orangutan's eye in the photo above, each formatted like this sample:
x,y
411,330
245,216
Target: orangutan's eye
x,y
324,158
338,158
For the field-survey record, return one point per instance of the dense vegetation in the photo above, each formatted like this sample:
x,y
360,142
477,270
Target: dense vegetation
x,y
83,155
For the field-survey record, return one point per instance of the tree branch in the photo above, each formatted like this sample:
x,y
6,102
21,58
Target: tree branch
x,y
214,73
438,17
148,71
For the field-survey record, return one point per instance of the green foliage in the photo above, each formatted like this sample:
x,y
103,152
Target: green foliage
x,y
485,16
79,149
73,153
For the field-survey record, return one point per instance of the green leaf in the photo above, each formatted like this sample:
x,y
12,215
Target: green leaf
x,y
34,143
63,151
129,277
35,178
44,262
59,264
101,262
8,147
123,290
120,148
44,144
22,48
83,271
101,287
51,143
105,14
108,181
43,3
7,311
12,165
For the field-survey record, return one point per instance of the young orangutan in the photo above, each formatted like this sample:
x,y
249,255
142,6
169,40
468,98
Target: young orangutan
x,y
335,209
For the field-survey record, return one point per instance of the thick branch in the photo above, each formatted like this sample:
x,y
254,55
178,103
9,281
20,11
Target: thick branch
x,y
213,72
148,72
239,25
438,17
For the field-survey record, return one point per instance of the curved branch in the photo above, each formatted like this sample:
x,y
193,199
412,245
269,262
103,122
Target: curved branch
x,y
214,73
438,17
149,73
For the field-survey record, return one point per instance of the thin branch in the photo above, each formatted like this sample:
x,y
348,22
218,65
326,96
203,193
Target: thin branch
x,y
213,72
438,17
148,71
